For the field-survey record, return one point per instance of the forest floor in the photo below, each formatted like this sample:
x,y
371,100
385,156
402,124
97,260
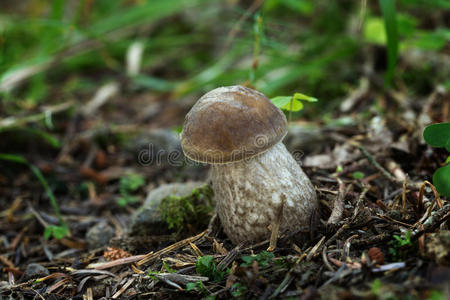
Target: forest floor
x,y
382,230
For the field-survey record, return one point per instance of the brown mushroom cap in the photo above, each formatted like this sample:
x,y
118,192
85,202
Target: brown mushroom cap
x,y
230,124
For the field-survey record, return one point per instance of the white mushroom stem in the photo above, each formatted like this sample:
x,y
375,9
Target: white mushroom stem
x,y
249,195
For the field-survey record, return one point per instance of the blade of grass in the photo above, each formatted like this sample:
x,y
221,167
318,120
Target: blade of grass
x,y
50,139
21,160
390,23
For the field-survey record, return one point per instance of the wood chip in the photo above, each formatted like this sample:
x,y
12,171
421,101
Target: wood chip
x,y
123,288
150,257
196,250
314,249
89,294
178,263
114,263
219,248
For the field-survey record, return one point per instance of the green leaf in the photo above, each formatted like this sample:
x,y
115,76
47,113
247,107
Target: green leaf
x,y
390,24
58,232
153,83
47,232
294,106
358,175
122,201
206,266
263,258
375,286
168,268
432,41
53,141
441,180
281,101
300,96
132,182
292,103
13,158
191,286
438,135
374,31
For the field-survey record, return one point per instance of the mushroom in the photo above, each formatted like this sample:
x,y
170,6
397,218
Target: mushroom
x,y
239,131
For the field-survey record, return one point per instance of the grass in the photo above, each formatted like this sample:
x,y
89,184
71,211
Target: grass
x,y
51,230
290,42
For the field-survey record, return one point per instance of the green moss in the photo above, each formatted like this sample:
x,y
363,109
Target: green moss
x,y
194,209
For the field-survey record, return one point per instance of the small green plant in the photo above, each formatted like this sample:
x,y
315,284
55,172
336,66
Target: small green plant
x,y
193,209
151,275
358,175
438,135
57,231
401,247
263,258
375,286
206,266
129,184
168,268
199,287
292,103
238,289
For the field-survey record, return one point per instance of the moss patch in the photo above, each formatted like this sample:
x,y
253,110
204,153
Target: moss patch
x,y
193,210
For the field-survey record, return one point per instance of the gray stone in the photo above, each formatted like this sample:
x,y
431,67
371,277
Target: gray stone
x,y
158,147
35,270
99,235
305,138
147,220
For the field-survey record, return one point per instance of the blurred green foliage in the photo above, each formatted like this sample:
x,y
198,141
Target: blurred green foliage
x,y
127,185
315,47
438,135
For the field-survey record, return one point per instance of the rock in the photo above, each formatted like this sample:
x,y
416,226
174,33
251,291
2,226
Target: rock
x,y
99,235
158,147
341,155
305,138
147,220
35,270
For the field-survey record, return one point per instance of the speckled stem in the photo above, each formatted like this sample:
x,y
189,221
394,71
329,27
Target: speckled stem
x,y
249,194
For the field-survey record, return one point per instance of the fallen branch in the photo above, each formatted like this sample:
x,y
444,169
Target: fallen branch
x,y
433,222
